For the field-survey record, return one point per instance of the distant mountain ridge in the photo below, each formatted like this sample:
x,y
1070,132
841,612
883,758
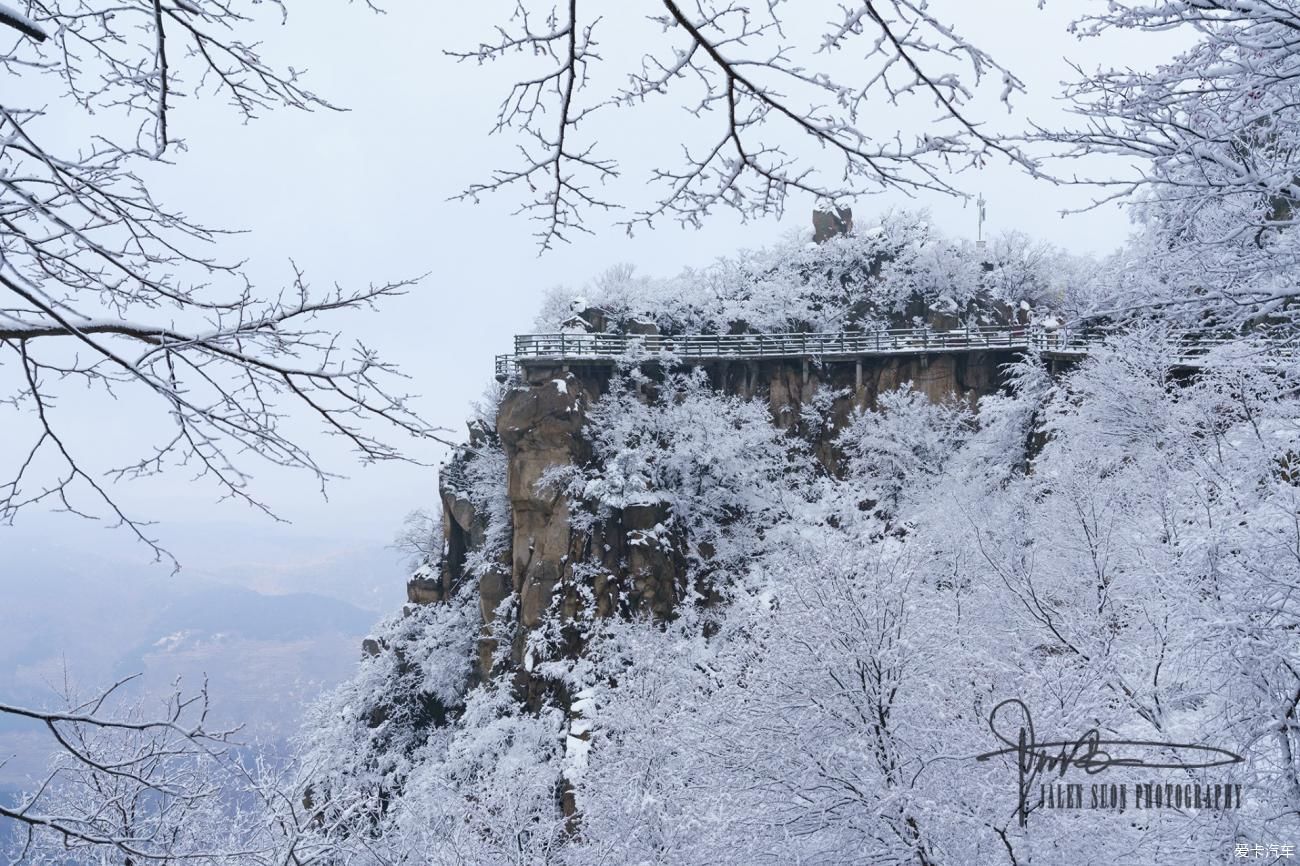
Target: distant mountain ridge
x,y
88,619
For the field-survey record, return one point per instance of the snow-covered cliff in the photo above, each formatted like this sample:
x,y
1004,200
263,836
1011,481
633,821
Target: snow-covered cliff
x,y
738,613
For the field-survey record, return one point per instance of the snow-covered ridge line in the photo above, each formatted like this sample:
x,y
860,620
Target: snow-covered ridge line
x,y
900,341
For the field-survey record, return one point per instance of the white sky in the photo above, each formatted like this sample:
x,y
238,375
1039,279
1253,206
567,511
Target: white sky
x,y
362,196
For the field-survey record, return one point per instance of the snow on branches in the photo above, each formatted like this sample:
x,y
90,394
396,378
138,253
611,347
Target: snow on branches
x,y
769,112
899,273
1212,141
722,473
1112,546
108,293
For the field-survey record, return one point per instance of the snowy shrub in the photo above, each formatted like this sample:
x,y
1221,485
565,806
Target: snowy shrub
x,y
359,743
1114,544
485,487
901,446
876,277
715,462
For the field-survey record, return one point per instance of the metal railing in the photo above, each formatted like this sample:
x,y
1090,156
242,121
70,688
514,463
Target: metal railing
x,y
793,345
578,346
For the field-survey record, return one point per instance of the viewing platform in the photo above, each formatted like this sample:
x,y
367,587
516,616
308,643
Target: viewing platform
x,y
594,348
580,348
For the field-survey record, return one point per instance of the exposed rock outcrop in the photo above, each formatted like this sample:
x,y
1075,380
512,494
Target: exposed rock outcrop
x,y
540,427
639,567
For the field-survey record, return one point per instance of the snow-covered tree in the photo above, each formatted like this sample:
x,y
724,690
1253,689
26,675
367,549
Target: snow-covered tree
x,y
898,273
716,465
141,781
1210,138
900,447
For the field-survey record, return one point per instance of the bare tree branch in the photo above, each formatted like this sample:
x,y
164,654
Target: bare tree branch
x,y
103,287
784,127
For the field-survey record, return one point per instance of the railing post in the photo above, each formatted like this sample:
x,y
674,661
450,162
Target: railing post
x,y
841,344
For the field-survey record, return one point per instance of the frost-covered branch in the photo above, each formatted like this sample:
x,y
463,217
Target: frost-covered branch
x,y
778,115
144,781
1208,151
104,288
125,780
10,17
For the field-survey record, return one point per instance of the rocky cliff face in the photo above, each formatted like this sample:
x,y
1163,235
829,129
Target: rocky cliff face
x,y
624,564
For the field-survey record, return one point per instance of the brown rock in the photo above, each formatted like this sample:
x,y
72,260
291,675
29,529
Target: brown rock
x,y
643,328
539,426
828,224
424,591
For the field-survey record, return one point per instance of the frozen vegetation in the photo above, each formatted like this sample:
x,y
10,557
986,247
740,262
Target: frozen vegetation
x,y
1114,545
676,623
901,272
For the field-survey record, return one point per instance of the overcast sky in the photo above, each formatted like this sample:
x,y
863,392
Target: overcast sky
x,y
361,196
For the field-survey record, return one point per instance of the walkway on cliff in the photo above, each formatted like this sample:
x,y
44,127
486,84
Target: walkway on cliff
x,y
578,347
